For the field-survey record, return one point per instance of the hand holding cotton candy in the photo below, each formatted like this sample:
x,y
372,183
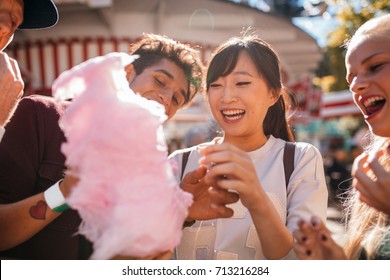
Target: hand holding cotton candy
x,y
127,196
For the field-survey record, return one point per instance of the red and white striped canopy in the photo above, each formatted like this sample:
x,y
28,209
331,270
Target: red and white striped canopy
x,y
337,104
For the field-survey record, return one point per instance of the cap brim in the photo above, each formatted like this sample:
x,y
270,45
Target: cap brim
x,y
39,14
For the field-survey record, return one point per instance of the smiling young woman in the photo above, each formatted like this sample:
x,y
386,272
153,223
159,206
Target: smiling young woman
x,y
368,206
245,95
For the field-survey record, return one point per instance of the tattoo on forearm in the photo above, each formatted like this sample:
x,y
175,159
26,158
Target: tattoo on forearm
x,y
38,211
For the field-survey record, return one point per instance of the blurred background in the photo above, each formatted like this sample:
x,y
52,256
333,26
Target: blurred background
x,y
307,35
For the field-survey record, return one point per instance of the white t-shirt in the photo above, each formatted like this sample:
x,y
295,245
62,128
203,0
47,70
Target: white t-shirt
x,y
236,237
2,131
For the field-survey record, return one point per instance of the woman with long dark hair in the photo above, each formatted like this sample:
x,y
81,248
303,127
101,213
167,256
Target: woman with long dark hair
x,y
245,94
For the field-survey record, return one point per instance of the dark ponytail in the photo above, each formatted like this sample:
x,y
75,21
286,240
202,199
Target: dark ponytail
x,y
275,122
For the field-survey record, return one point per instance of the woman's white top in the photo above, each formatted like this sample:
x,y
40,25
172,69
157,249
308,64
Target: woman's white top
x,y
236,237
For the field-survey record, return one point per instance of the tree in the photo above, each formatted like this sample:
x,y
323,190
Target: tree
x,y
351,15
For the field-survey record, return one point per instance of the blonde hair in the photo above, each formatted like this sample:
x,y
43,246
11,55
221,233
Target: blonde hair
x,y
376,28
367,227
379,26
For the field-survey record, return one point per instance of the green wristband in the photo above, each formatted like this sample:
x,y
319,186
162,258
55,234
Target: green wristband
x,y
61,208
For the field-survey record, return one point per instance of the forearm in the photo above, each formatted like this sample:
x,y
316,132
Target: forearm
x,y
23,219
276,240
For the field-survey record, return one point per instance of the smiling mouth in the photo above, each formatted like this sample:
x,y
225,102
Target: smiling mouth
x,y
374,104
233,115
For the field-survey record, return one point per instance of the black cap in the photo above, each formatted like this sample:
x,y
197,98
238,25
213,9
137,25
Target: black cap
x,y
39,14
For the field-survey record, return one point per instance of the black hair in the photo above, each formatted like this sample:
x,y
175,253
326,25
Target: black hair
x,y
153,48
223,62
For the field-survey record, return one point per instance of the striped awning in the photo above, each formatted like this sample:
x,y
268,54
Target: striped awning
x,y
338,104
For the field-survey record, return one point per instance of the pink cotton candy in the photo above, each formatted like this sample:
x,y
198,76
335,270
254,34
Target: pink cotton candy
x,y
127,195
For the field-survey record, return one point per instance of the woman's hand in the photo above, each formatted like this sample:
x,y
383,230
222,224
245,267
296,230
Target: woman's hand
x,y
230,168
313,241
375,192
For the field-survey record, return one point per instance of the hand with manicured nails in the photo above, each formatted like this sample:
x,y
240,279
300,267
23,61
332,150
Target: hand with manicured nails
x,y
230,168
373,192
209,202
11,87
313,241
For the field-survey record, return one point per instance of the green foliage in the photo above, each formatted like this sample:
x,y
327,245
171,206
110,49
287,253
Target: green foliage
x,y
351,15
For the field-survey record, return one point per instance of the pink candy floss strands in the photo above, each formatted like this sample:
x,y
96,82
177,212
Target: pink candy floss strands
x,y
127,196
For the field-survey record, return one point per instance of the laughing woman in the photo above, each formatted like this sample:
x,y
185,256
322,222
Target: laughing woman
x,y
245,95
368,207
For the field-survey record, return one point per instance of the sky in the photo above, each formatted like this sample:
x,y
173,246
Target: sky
x,y
317,27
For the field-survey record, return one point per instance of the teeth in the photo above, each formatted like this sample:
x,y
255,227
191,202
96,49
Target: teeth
x,y
370,101
232,112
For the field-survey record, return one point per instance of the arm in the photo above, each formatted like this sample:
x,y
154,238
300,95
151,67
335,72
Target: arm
x,y
11,87
232,169
29,216
23,219
307,193
24,175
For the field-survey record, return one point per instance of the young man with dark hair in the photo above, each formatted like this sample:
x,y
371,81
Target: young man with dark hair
x,y
34,221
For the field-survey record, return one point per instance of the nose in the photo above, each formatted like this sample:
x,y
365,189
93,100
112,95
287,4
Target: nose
x,y
228,95
359,85
166,98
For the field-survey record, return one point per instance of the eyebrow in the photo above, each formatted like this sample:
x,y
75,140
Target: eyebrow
x,y
242,73
170,76
362,63
369,57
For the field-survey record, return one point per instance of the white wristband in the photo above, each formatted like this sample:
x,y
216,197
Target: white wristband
x,y
55,199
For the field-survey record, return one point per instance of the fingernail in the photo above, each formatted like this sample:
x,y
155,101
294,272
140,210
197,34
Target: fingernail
x,y
315,222
201,160
200,148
